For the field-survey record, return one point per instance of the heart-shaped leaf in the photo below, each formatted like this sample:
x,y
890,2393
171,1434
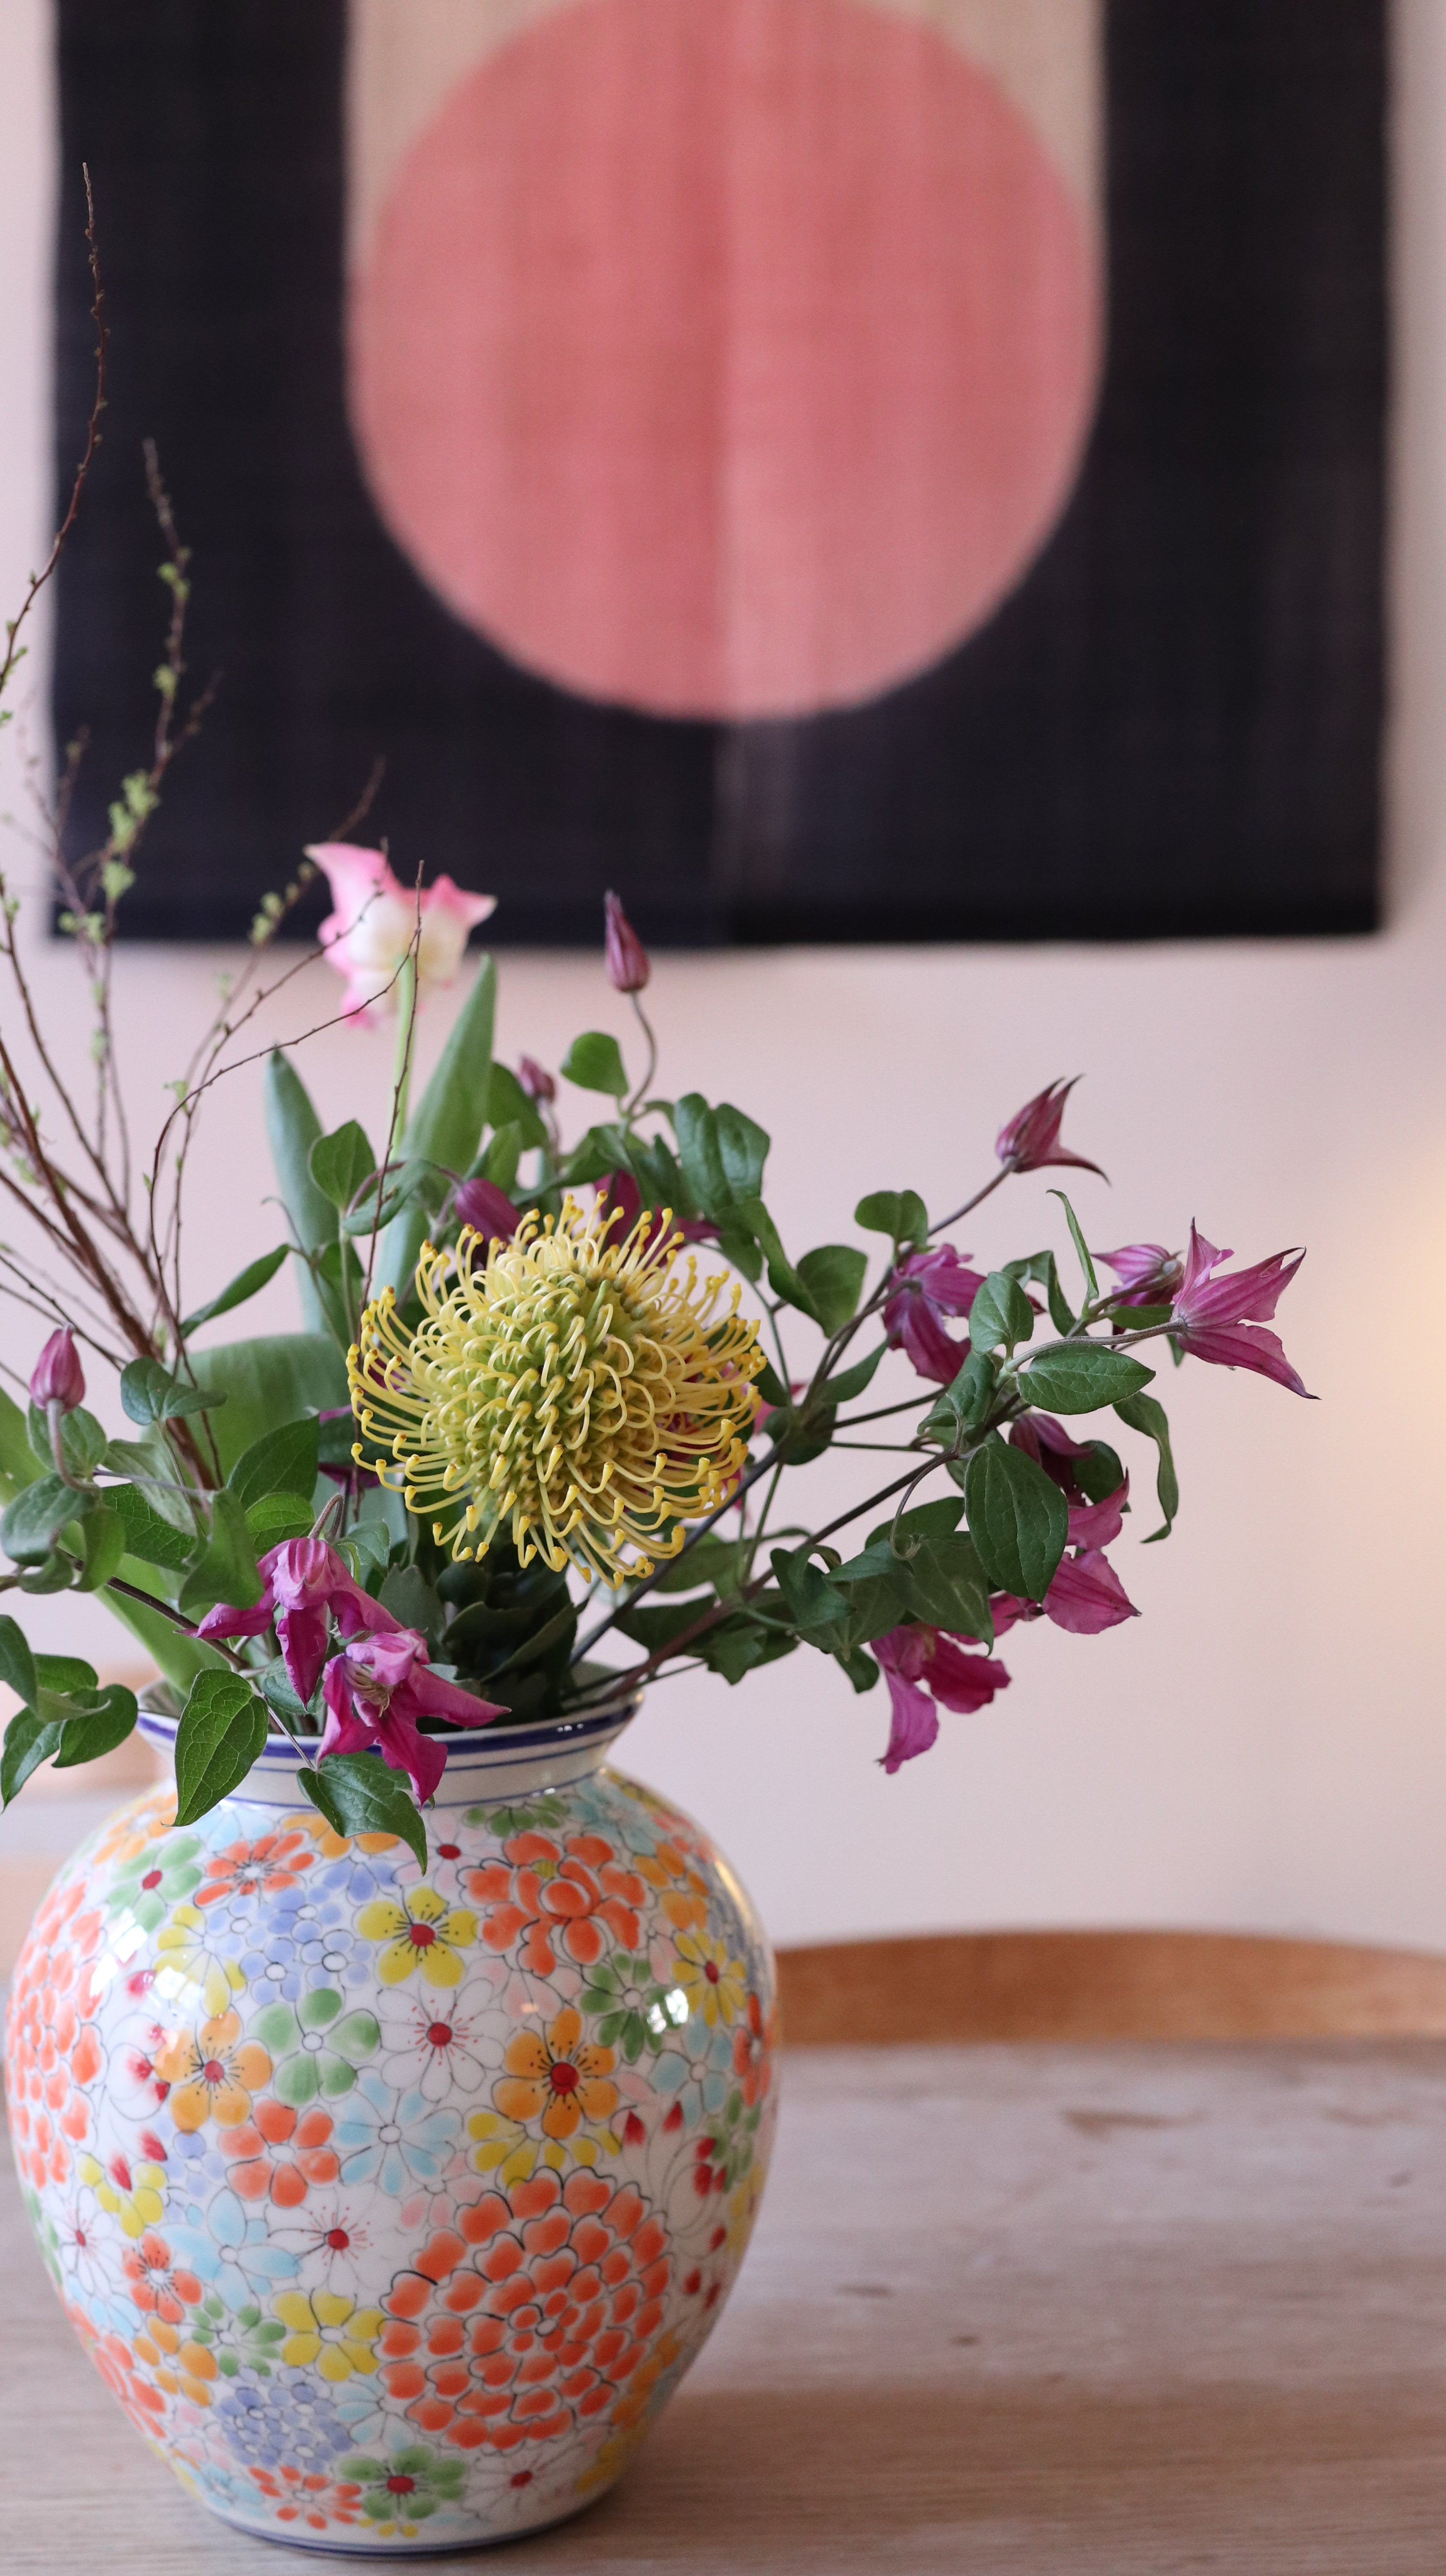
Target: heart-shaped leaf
x,y
358,1794
223,1728
1018,1519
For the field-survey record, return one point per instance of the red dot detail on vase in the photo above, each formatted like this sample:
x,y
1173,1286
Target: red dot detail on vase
x,y
565,2078
449,1851
711,1971
213,2071
439,2034
728,361
152,1879
520,2478
422,1936
338,2239
401,2486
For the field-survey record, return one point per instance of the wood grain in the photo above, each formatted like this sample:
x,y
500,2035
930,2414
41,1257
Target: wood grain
x,y
985,1986
1116,2311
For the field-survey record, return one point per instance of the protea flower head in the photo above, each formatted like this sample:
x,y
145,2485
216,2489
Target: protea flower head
x,y
575,1390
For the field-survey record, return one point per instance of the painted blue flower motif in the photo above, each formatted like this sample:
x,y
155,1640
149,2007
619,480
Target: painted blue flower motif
x,y
364,2411
305,1941
231,2250
396,2140
290,2418
696,2072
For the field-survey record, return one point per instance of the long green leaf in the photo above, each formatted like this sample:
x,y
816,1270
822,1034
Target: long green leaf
x,y
227,1569
1081,1376
17,1664
273,1379
292,1126
18,1462
176,1654
29,1738
1143,1413
247,1283
447,1124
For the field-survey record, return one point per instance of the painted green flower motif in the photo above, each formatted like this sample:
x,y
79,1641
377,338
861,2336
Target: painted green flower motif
x,y
406,2487
313,2051
243,2340
543,1814
632,2008
153,1880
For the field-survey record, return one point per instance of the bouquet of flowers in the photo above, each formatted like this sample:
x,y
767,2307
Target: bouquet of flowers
x,y
545,1405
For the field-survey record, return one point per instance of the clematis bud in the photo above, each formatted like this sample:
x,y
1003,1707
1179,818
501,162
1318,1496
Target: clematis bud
x,y
627,959
58,1378
488,1210
535,1079
1030,1142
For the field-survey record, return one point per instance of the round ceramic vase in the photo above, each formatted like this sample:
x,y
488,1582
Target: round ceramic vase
x,y
391,2203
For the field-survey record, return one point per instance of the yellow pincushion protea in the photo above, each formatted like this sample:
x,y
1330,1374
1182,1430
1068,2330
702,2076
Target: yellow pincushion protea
x,y
577,1393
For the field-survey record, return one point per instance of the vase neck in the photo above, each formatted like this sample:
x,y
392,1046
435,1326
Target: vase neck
x,y
509,1763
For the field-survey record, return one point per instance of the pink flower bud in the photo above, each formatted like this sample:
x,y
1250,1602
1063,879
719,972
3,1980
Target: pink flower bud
x,y
58,1378
535,1079
627,958
488,1210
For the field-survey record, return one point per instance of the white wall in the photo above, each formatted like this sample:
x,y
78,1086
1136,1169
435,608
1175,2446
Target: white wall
x,y
1265,1747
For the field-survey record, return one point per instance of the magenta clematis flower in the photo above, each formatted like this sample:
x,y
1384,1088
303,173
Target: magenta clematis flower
x,y
920,1661
628,963
375,1693
535,1079
925,1287
1030,1142
1086,1595
304,1584
376,920
1150,1272
1050,1446
620,1198
487,1209
58,1377
1221,1317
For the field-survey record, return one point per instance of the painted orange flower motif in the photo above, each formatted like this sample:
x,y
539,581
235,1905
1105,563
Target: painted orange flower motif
x,y
279,2153
212,2073
753,2053
557,2078
158,2287
540,2310
182,2367
682,1894
259,1868
331,1846
135,1827
557,1895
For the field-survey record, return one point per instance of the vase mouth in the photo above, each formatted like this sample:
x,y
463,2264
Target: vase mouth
x,y
484,1763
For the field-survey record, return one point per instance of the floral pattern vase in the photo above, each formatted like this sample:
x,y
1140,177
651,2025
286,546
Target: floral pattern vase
x,y
393,2204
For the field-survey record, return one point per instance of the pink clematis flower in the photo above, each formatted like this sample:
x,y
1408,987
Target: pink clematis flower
x,y
628,964
1222,1316
375,921
620,1197
1150,1272
304,1583
58,1377
535,1079
925,1287
917,1662
1048,1443
377,1690
487,1209
1031,1139
1085,1597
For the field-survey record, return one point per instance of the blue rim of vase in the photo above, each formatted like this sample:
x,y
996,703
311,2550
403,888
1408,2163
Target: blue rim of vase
x,y
540,1735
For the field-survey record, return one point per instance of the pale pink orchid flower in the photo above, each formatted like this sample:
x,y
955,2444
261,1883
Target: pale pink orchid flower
x,y
375,922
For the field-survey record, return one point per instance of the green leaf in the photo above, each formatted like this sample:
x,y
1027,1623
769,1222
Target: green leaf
x,y
277,1517
411,1600
272,1379
508,1105
341,1163
900,1214
1143,1413
1018,1519
37,1516
743,1149
799,1437
849,1382
83,1440
358,1794
179,1656
723,1153
65,1673
1001,1312
833,1276
1080,1245
1081,1376
97,1728
103,1544
964,1404
18,1463
861,1669
149,1393
292,1127
737,1246
783,1279
280,1462
946,1586
154,1540
738,1646
1099,1473
17,1664
227,1567
501,1158
280,1694
29,1740
246,1284
594,1156
816,1606
54,1573
1043,1269
595,1063
658,1626
223,1728
708,1561
446,1126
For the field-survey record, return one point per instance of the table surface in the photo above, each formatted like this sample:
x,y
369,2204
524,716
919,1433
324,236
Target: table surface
x,y
1039,2311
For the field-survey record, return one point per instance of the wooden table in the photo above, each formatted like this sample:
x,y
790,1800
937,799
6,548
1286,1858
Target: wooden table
x,y
1009,2310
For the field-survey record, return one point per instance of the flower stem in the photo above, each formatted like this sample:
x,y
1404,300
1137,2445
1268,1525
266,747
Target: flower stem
x,y
406,1019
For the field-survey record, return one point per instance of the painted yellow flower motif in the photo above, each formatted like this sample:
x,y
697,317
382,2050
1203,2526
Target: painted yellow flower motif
x,y
331,2331
557,2078
212,2073
421,1931
135,2194
715,1985
504,2148
185,1957
578,1393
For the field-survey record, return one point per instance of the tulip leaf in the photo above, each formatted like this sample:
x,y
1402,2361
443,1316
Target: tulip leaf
x,y
341,1164
222,1731
508,1105
18,1462
964,1403
37,1516
293,1127
102,1720
500,1158
1143,1413
29,1740
149,1393
900,1214
272,1379
595,1063
1001,1312
1018,1519
446,1126
358,1794
148,1535
103,1544
247,1283
833,1276
17,1664
1080,1245
1079,1377
226,1569
280,1462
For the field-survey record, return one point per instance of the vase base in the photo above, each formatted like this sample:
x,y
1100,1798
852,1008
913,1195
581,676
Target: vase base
x,y
460,2544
